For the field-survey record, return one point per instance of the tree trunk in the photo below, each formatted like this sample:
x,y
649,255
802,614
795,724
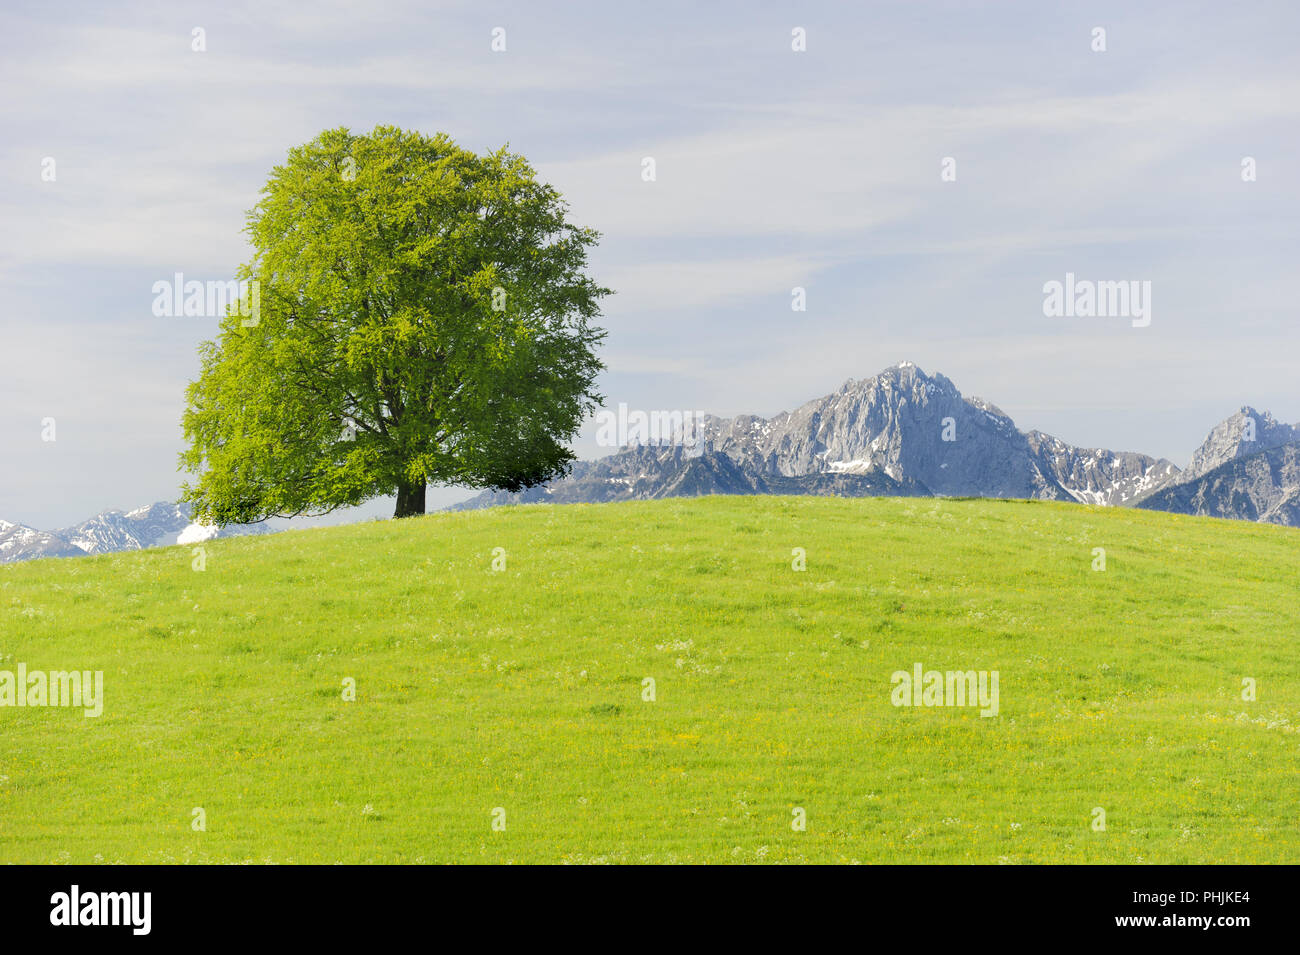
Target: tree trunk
x,y
410,500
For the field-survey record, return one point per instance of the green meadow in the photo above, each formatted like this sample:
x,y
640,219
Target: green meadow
x,y
503,715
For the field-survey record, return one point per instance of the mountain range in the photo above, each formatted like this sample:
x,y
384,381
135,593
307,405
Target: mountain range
x,y
155,525
903,432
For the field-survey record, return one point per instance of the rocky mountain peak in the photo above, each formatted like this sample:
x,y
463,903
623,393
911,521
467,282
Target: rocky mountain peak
x,y
901,423
1240,435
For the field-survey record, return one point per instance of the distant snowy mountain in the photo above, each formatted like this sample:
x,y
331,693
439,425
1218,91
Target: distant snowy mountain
x,y
1099,476
155,525
150,526
20,542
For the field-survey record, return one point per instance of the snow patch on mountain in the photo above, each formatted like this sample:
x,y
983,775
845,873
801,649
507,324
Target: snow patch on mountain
x,y
197,533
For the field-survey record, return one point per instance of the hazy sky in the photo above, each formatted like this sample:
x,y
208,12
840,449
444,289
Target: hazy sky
x,y
775,169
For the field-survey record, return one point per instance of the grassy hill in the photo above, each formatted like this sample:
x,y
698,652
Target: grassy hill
x,y
522,689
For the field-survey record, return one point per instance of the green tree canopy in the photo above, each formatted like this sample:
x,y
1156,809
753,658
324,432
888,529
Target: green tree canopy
x,y
423,316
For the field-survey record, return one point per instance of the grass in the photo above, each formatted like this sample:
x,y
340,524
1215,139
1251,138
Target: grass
x,y
522,689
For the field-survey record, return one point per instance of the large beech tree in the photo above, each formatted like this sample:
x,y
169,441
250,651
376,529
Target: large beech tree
x,y
424,317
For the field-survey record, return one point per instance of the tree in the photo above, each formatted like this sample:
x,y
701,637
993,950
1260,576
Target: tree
x,y
422,316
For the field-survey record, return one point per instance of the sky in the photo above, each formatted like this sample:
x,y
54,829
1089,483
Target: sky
x,y
775,168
